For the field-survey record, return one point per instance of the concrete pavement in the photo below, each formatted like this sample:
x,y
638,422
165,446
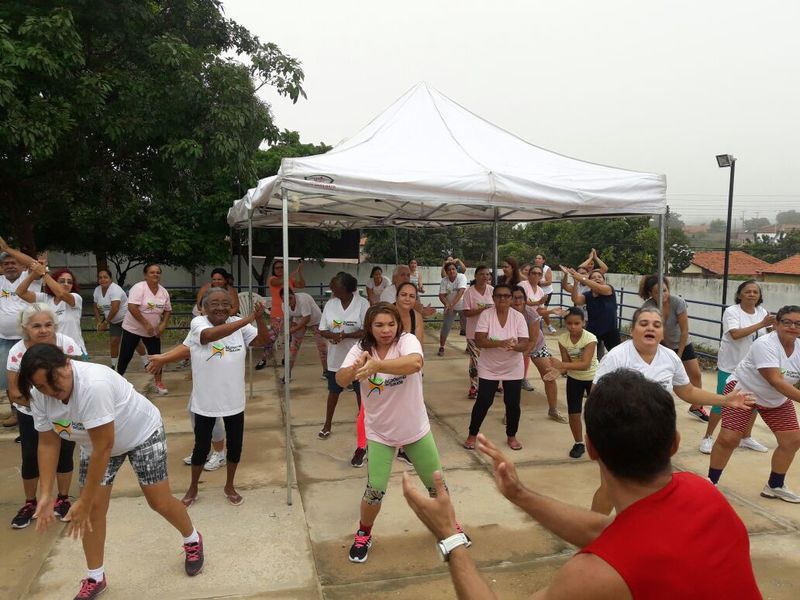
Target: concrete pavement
x,y
266,549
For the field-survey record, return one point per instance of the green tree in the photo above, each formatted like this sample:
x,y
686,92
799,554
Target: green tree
x,y
717,225
126,128
755,223
774,251
788,217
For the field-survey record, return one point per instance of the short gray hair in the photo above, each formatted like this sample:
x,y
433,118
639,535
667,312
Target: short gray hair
x,y
27,314
210,291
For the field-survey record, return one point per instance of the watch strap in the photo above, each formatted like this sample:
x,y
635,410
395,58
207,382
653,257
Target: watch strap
x,y
447,545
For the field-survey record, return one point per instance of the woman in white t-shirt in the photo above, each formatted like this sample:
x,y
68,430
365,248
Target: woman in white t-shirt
x,y
38,325
149,309
416,277
305,315
110,308
388,362
645,353
61,292
375,285
742,324
502,335
451,292
342,325
111,422
477,299
770,372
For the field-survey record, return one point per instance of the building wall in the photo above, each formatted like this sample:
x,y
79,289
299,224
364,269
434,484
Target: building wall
x,y
782,278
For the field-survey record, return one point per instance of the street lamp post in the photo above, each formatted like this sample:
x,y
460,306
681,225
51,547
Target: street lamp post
x,y
727,161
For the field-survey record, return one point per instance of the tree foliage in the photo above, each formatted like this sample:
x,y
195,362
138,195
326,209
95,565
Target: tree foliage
x,y
755,223
773,251
627,245
788,217
126,128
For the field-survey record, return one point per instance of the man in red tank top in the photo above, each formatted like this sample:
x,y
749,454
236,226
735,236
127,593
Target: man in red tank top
x,y
653,547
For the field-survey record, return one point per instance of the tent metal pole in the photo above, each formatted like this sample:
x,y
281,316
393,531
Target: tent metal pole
x,y
230,246
495,260
250,289
396,254
287,375
661,242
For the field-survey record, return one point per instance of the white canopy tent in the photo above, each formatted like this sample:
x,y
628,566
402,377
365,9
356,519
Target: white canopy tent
x,y
426,161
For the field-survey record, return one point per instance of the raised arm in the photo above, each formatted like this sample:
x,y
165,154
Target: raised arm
x,y
212,334
22,290
297,275
19,256
741,332
603,267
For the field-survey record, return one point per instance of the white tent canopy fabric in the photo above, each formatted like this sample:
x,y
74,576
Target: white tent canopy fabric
x,y
427,161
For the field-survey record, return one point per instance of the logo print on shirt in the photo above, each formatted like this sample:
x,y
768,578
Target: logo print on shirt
x,y
151,305
63,427
375,384
217,349
337,324
5,294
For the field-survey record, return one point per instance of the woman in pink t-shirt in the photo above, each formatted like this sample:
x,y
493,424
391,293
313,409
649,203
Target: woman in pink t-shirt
x,y
388,363
502,336
149,308
477,299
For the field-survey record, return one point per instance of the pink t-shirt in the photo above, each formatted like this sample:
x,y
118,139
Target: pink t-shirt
x,y
532,295
150,305
394,408
498,364
474,299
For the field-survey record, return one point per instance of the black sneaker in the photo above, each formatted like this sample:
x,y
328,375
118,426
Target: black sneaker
x,y
261,364
194,557
700,413
360,548
61,507
577,450
358,458
24,515
403,457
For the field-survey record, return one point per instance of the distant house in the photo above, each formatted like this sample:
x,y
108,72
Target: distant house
x,y
785,271
774,233
712,264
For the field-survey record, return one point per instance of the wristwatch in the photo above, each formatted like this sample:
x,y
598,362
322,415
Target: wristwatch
x,y
447,545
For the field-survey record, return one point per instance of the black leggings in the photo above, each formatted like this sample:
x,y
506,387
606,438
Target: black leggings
x,y
127,347
576,389
607,341
29,445
511,393
234,433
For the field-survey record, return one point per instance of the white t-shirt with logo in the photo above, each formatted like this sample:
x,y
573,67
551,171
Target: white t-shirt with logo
x,y
11,305
498,364
113,293
450,289
731,351
337,319
99,396
69,317
767,352
394,409
68,346
306,306
667,370
218,369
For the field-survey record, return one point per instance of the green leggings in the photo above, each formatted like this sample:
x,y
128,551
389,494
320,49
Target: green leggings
x,y
423,454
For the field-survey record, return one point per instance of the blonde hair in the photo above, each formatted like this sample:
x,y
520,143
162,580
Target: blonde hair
x,y
27,313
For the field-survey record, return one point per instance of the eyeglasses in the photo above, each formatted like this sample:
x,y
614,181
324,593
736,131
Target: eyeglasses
x,y
501,295
788,323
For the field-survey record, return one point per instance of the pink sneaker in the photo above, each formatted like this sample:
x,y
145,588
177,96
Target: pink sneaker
x,y
161,389
91,588
194,557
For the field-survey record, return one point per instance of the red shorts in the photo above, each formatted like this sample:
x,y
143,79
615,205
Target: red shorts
x,y
781,418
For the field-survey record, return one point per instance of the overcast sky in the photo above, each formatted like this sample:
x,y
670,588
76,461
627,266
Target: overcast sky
x,y
660,86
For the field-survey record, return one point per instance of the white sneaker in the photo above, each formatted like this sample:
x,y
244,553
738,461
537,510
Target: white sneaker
x,y
161,389
526,385
215,461
782,493
551,329
706,444
187,460
753,444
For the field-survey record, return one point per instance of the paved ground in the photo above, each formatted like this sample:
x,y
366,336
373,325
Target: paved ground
x,y
266,549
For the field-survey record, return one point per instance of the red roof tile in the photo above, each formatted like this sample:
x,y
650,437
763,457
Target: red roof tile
x,y
788,266
741,263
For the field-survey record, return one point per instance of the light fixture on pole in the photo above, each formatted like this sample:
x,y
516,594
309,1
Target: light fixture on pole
x,y
727,161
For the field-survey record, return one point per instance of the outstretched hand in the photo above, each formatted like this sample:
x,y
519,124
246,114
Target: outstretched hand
x,y
740,399
155,364
505,474
369,366
437,514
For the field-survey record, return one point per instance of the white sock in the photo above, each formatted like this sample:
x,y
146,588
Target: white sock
x,y
114,363
193,537
145,359
96,574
